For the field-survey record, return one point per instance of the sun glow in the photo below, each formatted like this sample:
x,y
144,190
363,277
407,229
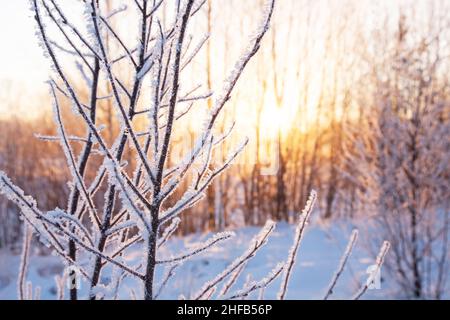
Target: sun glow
x,y
274,120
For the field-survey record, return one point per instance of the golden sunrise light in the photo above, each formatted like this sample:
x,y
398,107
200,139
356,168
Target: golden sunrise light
x,y
224,149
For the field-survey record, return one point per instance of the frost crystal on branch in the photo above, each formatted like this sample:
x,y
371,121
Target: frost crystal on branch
x,y
342,263
260,285
256,243
299,231
376,272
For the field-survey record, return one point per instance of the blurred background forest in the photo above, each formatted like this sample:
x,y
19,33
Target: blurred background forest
x,y
350,98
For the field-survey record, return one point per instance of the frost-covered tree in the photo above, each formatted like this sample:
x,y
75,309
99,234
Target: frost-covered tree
x,y
134,202
399,159
148,107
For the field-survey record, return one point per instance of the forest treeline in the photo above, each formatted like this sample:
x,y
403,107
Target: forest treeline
x,y
348,98
365,101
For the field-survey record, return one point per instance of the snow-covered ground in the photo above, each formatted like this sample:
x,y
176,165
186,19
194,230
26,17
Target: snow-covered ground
x,y
317,260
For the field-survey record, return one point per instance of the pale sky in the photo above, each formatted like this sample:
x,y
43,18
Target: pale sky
x,y
20,57
24,69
